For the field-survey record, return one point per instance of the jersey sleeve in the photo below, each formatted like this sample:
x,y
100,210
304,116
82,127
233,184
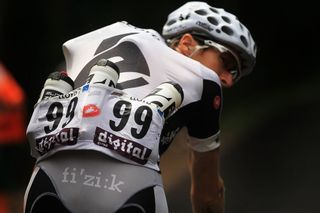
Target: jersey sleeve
x,y
205,122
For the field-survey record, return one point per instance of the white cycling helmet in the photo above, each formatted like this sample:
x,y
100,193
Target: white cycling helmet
x,y
199,18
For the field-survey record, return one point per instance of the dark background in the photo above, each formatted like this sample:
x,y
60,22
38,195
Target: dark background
x,y
270,123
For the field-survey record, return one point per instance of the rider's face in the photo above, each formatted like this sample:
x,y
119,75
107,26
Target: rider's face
x,y
223,63
217,62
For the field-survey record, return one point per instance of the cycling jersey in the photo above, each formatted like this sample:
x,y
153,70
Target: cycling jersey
x,y
145,61
65,136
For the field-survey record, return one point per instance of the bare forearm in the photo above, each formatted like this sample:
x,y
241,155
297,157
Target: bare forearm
x,y
209,203
207,189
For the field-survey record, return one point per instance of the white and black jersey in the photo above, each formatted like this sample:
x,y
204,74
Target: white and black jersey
x,y
81,139
145,61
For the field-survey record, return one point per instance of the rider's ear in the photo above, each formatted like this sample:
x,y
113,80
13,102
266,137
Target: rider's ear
x,y
186,44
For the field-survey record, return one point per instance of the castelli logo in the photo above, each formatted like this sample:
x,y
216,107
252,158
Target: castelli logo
x,y
216,102
90,110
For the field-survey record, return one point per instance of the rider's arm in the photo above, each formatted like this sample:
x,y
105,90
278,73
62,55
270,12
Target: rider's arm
x,y
206,184
207,188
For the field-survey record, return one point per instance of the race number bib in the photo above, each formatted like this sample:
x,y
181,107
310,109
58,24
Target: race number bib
x,y
101,118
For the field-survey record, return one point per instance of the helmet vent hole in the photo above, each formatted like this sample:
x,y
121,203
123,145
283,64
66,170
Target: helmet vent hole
x,y
226,19
218,31
241,26
214,10
227,30
244,40
213,20
171,22
201,12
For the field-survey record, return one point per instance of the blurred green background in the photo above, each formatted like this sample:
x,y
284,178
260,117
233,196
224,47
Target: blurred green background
x,y
270,121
